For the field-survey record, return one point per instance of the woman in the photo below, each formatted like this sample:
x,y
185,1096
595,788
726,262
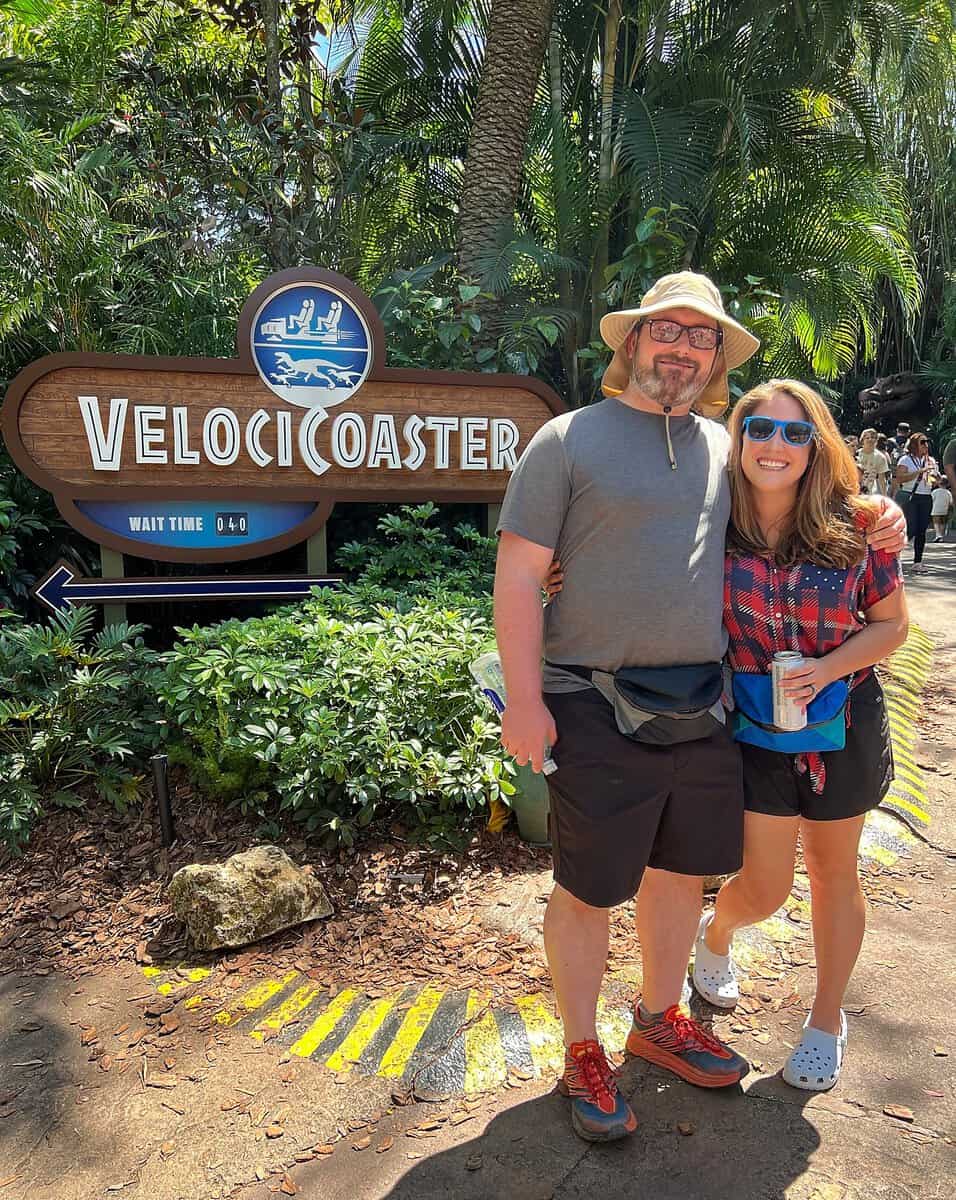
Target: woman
x,y
914,470
799,577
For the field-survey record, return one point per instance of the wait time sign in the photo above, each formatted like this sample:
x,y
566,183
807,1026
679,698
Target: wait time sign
x,y
216,460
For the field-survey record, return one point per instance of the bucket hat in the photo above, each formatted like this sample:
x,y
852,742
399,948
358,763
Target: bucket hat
x,y
684,289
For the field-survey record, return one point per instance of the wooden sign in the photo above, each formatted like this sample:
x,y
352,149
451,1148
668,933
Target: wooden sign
x,y
213,460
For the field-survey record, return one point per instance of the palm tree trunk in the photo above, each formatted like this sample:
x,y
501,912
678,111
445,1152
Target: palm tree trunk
x,y
599,261
514,53
570,337
273,121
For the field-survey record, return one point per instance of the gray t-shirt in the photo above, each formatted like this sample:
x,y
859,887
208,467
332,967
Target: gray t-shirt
x,y
642,545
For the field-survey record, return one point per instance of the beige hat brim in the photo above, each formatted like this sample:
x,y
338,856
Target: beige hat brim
x,y
738,343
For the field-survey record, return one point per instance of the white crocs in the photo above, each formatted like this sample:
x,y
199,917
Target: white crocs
x,y
714,975
815,1064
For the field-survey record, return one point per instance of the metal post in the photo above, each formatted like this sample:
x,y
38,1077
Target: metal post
x,y
161,792
111,567
317,553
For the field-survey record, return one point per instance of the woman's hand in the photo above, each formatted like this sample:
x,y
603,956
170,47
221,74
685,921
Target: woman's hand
x,y
807,681
889,532
554,580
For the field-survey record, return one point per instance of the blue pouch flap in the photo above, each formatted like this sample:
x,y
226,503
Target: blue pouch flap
x,y
753,717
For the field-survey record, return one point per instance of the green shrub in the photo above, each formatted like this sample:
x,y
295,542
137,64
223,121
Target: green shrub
x,y
77,713
346,709
415,555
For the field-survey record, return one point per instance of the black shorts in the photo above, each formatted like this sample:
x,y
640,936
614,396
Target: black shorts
x,y
857,777
618,806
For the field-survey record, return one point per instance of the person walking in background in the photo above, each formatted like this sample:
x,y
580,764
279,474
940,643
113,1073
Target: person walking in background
x,y
897,443
874,465
914,470
942,506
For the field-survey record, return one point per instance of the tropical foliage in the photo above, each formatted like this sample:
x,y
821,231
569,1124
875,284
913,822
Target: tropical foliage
x,y
78,715
157,161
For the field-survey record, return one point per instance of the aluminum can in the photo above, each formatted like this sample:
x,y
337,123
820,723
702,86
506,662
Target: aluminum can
x,y
787,715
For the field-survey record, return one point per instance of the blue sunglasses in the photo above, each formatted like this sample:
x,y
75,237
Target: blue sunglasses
x,y
762,429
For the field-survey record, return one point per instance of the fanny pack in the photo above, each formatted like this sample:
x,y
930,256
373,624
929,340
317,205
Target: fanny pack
x,y
661,705
752,718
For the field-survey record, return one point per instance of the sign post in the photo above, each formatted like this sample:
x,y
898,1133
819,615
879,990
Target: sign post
x,y
223,460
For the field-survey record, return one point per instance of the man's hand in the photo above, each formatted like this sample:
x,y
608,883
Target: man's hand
x,y
554,581
526,730
889,533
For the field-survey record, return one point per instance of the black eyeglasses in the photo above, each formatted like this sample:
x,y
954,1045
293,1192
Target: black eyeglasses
x,y
701,337
762,429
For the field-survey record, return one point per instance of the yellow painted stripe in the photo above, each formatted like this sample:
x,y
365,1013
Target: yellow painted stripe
x,y
613,1025
359,1037
912,809
484,1055
914,774
897,697
904,756
901,785
288,1010
259,994
544,1033
880,854
323,1025
410,1032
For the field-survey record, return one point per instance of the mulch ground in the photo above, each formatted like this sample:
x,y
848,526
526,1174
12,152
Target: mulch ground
x,y
88,894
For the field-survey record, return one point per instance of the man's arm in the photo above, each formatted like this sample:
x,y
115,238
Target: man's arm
x,y
527,726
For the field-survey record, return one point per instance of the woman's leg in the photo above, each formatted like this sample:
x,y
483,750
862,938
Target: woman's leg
x,y
830,851
763,883
924,505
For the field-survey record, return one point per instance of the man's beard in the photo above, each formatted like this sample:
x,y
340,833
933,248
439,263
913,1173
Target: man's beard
x,y
666,387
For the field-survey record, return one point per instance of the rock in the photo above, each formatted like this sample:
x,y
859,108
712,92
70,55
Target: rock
x,y
248,897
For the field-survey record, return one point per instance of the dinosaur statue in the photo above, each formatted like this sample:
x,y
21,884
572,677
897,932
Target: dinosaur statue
x,y
897,398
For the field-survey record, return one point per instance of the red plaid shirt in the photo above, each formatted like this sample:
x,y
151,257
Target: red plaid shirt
x,y
807,608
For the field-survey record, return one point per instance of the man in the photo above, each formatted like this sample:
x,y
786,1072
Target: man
x,y
633,493
949,465
875,470
897,443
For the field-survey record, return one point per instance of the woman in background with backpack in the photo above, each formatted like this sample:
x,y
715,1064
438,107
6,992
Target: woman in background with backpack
x,y
800,577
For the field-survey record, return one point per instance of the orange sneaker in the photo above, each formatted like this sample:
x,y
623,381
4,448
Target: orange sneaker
x,y
599,1113
677,1042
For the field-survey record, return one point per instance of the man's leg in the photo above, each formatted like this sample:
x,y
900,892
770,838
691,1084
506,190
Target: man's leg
x,y
700,833
575,941
668,913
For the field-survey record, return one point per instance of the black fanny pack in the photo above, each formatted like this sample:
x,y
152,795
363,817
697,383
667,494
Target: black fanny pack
x,y
661,705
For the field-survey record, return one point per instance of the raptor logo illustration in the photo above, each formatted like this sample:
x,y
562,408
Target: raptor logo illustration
x,y
311,346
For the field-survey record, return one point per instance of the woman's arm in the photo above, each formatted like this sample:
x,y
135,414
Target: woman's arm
x,y
887,624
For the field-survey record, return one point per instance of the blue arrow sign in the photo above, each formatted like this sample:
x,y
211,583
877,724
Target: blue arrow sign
x,y
61,588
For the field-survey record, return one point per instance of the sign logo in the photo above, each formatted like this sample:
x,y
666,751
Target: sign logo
x,y
311,345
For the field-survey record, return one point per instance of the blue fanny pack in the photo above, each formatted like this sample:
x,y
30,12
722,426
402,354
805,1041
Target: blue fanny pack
x,y
752,718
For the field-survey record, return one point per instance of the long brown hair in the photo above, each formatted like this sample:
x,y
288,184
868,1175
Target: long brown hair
x,y
829,519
